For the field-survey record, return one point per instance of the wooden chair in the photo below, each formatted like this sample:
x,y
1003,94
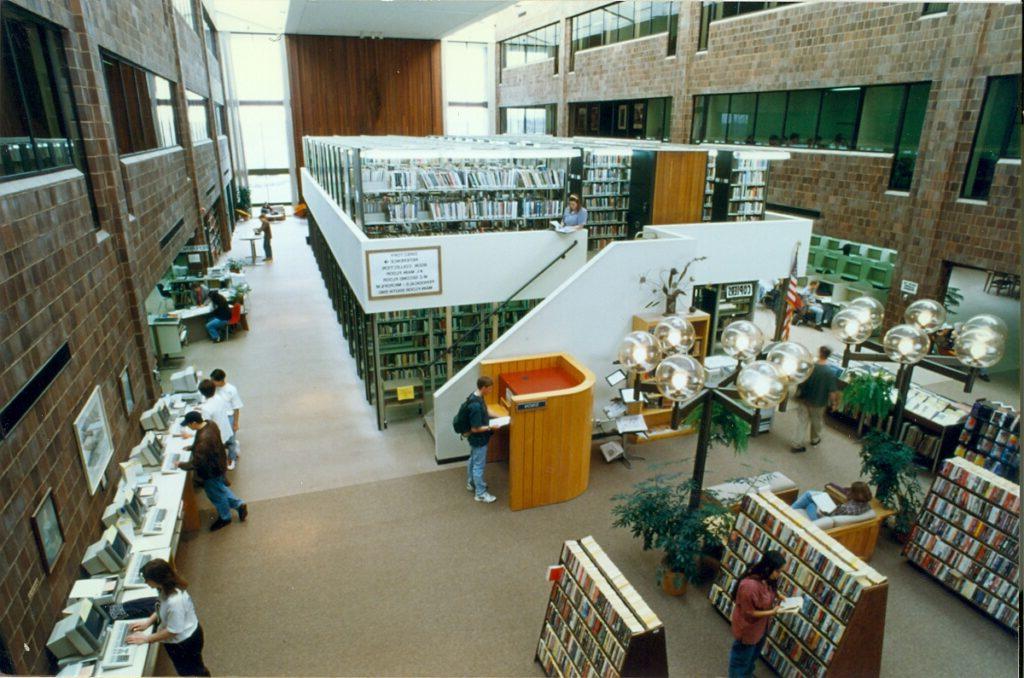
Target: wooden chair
x,y
861,536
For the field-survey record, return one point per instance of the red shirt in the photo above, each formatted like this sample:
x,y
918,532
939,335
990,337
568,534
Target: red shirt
x,y
751,594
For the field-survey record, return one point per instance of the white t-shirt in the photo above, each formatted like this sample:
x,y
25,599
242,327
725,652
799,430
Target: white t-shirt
x,y
216,410
178,615
230,395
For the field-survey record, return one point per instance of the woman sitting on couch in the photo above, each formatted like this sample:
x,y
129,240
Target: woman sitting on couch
x,y
858,501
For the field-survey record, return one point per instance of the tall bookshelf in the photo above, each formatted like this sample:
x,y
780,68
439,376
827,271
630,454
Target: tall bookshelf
x,y
595,623
736,186
707,208
605,193
841,626
991,438
966,536
725,303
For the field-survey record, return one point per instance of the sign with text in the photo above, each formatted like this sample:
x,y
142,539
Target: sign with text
x,y
908,287
536,405
739,290
408,272
195,248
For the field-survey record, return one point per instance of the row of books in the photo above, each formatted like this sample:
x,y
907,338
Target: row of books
x,y
611,190
600,649
377,180
598,175
970,523
746,209
618,204
599,593
1005,520
740,192
605,218
542,208
999,491
474,209
984,577
991,438
984,553
924,443
1004,612
936,408
606,231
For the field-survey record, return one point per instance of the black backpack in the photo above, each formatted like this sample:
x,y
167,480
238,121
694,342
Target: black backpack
x,y
461,422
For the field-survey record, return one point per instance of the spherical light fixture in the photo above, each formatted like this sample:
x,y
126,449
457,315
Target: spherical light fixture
x,y
906,344
874,308
639,351
852,325
760,385
990,323
679,377
742,340
792,360
927,314
979,347
675,334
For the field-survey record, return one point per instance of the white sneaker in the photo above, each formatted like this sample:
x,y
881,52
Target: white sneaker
x,y
232,464
486,497
469,486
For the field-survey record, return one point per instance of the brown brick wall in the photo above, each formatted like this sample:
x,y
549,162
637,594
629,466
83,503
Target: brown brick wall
x,y
136,30
206,172
192,52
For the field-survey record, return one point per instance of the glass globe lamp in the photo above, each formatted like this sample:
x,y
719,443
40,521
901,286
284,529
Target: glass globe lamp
x,y
639,351
792,360
675,334
852,325
760,385
927,314
679,377
906,344
990,323
742,340
874,308
979,347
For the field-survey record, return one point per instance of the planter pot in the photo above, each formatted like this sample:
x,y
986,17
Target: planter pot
x,y
708,567
672,583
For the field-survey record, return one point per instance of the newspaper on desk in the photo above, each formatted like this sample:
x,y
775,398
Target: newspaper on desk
x,y
633,423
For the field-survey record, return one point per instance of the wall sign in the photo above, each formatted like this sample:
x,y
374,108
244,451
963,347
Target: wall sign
x,y
739,290
537,405
407,272
908,287
195,248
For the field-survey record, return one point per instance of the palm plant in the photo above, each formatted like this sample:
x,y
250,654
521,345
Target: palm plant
x,y
889,466
868,395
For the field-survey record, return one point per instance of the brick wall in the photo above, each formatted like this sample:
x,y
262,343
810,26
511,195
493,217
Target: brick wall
x,y
136,30
206,172
193,65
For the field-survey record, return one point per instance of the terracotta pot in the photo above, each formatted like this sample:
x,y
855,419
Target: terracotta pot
x,y
672,583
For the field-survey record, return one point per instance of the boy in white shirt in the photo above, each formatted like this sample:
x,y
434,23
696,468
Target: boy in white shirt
x,y
214,408
229,394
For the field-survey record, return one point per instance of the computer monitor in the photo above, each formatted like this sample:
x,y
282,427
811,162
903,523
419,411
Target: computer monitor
x,y
156,418
829,263
880,276
185,380
216,272
134,508
851,270
873,253
80,633
109,554
150,451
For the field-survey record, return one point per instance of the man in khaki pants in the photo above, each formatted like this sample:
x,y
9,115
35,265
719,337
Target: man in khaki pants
x,y
813,396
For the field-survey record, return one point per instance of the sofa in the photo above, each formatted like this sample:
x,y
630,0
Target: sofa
x,y
729,494
859,533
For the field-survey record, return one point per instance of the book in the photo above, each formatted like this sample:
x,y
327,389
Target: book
x,y
631,424
823,502
500,421
791,604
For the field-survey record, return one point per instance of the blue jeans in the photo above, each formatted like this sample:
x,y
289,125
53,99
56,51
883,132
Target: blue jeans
x,y
214,327
818,312
232,447
221,496
743,659
805,502
475,469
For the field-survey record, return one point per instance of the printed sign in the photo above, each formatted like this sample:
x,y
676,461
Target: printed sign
x,y
408,272
739,290
539,405
908,287
195,248
406,393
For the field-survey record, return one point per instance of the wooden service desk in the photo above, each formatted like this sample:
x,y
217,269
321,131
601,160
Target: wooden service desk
x,y
547,443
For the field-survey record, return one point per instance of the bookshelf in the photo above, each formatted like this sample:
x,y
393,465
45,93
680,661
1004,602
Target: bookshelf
x,y
966,536
736,186
725,303
707,203
605,191
595,623
991,438
840,629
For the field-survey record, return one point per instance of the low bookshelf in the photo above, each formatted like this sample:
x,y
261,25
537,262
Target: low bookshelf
x,y
991,438
966,537
595,623
841,626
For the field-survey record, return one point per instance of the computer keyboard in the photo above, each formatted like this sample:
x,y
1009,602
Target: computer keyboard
x,y
135,577
171,460
154,521
119,653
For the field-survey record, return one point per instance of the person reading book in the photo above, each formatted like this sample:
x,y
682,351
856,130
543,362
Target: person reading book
x,y
755,603
575,213
820,504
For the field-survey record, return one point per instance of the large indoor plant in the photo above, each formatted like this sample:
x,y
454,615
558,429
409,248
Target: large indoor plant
x,y
889,466
868,396
726,428
656,511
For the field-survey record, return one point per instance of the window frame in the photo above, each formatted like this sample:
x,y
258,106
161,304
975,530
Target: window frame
x,y
715,13
927,8
540,34
136,70
1007,133
550,118
602,11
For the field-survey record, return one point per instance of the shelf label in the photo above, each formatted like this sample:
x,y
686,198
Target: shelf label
x,y
908,287
538,405
407,272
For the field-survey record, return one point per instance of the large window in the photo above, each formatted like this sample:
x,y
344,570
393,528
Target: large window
x,y
997,135
38,125
537,45
934,8
465,84
142,106
529,119
210,35
626,118
882,118
198,125
184,8
713,11
623,21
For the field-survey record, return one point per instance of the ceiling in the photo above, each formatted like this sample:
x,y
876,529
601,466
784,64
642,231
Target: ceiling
x,y
422,19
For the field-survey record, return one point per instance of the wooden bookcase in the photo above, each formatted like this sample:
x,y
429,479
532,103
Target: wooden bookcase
x,y
991,438
966,536
840,629
596,624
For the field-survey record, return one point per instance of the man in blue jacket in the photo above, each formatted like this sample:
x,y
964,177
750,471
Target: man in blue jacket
x,y
480,432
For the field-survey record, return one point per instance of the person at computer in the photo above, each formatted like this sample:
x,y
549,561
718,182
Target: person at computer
x,y
220,317
858,501
215,408
178,627
812,305
264,228
575,213
210,462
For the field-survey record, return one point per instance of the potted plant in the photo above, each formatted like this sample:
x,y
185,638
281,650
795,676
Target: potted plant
x,y
656,511
244,198
726,428
889,466
240,291
868,395
235,265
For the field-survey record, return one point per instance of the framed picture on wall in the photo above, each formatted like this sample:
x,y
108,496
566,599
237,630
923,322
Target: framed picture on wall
x,y
639,115
126,391
94,443
48,532
622,116
595,118
581,120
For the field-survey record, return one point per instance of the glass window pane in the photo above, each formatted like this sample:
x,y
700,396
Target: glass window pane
x,y
997,115
470,120
465,71
643,18
257,63
910,136
17,155
771,109
718,115
697,128
879,118
264,137
802,117
838,117
272,188
197,123
660,12
741,118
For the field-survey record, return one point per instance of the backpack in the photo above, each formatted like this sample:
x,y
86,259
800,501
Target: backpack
x,y
461,422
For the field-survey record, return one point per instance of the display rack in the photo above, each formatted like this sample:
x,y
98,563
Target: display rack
x,y
841,626
595,623
991,438
966,536
725,303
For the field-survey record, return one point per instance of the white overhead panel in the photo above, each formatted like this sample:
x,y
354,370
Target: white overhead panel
x,y
249,16
417,19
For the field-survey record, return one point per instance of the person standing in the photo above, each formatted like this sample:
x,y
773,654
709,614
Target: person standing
x,y
229,394
754,605
220,317
480,431
819,391
209,460
175,617
265,229
216,409
575,213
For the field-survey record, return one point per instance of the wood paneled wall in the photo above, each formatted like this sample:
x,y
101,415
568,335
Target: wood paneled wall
x,y
679,187
344,85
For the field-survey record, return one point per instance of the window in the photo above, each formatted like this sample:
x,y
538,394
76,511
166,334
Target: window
x,y
529,119
529,48
718,118
465,79
713,11
210,35
184,8
771,117
802,117
935,8
741,118
142,105
197,123
624,118
838,120
880,118
621,21
997,135
905,156
38,123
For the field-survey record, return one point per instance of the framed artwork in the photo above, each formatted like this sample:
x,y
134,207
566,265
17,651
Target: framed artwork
x,y
94,443
126,392
639,115
49,534
595,118
581,120
621,117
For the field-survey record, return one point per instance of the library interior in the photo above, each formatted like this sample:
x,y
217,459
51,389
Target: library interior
x,y
510,338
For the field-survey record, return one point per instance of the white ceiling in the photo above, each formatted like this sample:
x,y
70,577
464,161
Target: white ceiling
x,y
422,19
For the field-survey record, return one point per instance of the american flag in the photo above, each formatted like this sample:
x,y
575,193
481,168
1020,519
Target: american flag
x,y
792,296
